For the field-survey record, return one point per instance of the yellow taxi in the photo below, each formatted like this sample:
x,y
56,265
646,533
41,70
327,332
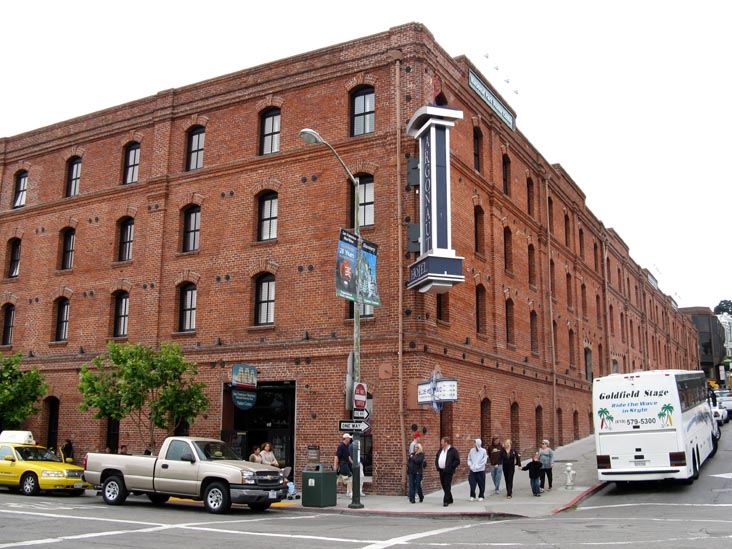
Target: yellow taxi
x,y
30,468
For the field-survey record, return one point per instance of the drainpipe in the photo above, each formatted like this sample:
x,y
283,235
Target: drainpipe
x,y
400,251
551,310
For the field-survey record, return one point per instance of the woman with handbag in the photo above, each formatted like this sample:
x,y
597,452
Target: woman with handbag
x,y
510,458
415,470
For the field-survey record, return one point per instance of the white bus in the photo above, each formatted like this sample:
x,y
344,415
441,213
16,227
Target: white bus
x,y
652,425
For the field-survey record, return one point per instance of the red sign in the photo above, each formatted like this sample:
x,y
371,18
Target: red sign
x,y
359,396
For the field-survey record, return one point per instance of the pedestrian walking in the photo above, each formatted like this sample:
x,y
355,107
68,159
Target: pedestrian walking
x,y
496,465
446,461
477,459
342,464
534,469
510,458
415,470
546,456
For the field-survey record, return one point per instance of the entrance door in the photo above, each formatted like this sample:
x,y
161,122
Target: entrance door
x,y
271,419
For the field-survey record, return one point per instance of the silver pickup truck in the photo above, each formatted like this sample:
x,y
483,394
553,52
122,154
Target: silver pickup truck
x,y
190,467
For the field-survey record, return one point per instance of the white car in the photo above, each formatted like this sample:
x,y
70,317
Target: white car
x,y
720,414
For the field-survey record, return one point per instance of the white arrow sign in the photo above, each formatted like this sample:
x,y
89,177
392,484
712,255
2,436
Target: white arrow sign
x,y
353,426
361,413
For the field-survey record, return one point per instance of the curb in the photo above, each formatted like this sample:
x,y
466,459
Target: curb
x,y
587,493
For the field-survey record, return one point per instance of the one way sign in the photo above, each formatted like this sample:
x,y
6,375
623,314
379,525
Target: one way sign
x,y
348,426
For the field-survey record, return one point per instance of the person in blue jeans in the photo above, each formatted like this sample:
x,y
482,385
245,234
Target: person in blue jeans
x,y
496,466
415,470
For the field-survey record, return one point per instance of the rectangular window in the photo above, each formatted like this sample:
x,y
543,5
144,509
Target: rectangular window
x,y
21,188
132,163
363,111
196,141
62,320
188,296
67,257
270,139
73,177
121,314
268,217
126,237
8,324
265,300
14,267
192,229
366,201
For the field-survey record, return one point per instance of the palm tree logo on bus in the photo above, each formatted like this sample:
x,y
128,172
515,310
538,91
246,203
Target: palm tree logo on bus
x,y
606,420
665,415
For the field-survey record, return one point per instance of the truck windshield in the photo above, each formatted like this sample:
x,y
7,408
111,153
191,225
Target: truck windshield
x,y
209,450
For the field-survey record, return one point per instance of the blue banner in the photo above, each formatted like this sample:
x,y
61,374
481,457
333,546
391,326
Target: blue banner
x,y
346,283
244,400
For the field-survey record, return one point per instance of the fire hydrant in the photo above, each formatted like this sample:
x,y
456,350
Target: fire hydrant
x,y
569,475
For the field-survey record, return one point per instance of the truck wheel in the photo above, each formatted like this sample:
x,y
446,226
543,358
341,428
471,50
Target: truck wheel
x,y
29,484
114,491
158,499
216,498
261,506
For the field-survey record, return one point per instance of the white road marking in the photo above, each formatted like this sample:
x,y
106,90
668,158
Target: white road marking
x,y
592,508
417,535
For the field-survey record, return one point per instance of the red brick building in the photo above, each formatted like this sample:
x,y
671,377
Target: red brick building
x,y
175,217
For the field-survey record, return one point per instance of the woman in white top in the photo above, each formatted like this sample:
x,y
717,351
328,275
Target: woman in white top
x,y
268,457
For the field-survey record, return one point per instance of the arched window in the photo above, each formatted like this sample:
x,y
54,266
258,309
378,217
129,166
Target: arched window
x,y
126,238
507,249
14,258
366,200
598,310
477,148
534,328
479,230
265,300
131,163
485,419
611,317
191,228
61,332
582,243
530,196
560,428
588,364
506,174
532,265
443,307
73,176
187,297
267,222
583,295
510,336
567,230
363,107
480,309
21,188
515,427
539,422
121,314
552,281
570,301
8,323
550,206
269,131
572,350
194,152
68,243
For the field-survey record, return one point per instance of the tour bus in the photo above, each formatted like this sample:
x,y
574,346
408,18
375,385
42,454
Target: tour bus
x,y
652,425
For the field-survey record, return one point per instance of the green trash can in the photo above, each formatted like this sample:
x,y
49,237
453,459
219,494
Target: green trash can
x,y
318,486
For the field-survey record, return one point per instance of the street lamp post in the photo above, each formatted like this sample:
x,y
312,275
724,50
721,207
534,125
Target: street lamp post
x,y
311,136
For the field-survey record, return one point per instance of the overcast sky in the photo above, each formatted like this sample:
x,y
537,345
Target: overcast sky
x,y
632,97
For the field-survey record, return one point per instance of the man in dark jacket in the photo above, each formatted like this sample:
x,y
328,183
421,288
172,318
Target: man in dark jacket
x,y
446,461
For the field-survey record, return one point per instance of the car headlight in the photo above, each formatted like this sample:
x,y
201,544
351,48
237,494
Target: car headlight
x,y
248,477
53,474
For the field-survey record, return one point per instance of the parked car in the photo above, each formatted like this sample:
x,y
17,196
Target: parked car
x,y
724,397
721,415
198,468
30,468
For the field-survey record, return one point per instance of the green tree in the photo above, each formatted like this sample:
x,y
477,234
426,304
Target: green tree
x,y
724,306
20,391
154,389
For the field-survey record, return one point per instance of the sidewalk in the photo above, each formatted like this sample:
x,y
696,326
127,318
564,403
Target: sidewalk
x,y
581,455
